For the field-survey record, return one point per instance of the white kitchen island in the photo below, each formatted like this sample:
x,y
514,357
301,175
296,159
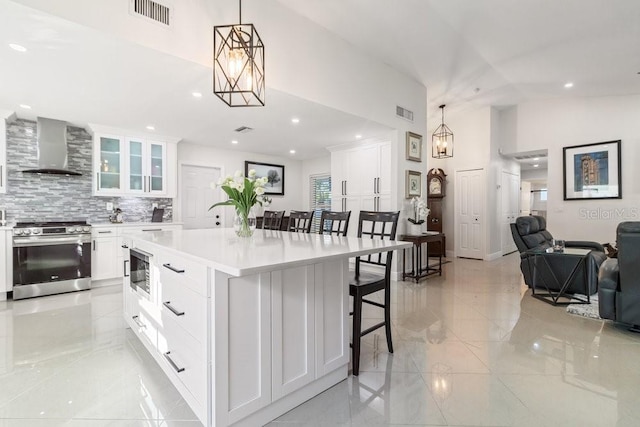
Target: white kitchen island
x,y
245,328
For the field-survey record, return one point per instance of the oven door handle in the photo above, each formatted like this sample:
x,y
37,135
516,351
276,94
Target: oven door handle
x,y
29,242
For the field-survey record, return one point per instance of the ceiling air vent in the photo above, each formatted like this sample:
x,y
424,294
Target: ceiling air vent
x,y
529,156
404,113
244,129
152,10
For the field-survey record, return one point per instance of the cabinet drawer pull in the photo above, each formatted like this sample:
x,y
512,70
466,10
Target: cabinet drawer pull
x,y
136,319
172,363
170,267
104,232
171,309
153,229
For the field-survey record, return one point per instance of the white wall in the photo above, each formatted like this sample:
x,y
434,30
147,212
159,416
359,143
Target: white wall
x,y
534,175
565,122
230,161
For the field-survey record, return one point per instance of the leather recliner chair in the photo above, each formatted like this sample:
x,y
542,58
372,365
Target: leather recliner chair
x,y
619,280
530,232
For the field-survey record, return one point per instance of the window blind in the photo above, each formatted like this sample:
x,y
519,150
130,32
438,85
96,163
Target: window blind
x,y
320,194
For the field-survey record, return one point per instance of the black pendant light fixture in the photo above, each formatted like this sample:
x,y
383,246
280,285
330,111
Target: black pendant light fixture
x,y
238,64
442,140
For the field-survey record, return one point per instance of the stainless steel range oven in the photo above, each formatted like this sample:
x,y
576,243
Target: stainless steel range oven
x,y
51,258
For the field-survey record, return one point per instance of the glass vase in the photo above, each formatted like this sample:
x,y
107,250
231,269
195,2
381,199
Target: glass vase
x,y
244,223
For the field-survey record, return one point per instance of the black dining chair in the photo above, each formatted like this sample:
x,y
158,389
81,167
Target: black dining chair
x,y
300,221
272,220
372,225
334,222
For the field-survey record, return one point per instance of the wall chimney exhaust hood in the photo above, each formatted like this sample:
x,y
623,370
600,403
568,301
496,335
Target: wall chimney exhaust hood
x,y
52,148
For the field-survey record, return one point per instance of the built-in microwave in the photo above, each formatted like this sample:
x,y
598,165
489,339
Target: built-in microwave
x,y
140,272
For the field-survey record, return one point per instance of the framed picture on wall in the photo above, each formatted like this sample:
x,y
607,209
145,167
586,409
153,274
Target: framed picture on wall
x,y
413,184
592,171
274,174
414,147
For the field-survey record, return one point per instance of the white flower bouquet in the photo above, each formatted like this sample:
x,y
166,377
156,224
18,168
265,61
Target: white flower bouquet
x,y
420,210
244,193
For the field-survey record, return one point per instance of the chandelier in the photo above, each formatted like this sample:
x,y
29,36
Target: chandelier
x,y
442,140
238,65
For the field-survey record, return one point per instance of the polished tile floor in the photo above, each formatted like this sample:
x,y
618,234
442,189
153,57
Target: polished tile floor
x,y
472,348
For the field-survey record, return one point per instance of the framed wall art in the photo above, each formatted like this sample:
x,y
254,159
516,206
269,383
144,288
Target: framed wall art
x,y
274,174
413,184
592,171
414,147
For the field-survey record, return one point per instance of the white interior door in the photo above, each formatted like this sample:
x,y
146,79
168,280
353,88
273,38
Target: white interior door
x,y
525,198
510,192
197,196
470,221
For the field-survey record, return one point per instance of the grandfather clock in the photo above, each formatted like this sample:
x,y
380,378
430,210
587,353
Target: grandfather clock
x,y
436,180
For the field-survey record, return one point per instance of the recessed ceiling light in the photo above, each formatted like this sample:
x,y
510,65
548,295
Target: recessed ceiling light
x,y
536,165
292,151
234,141
196,94
295,120
535,159
150,127
568,85
358,136
17,47
25,106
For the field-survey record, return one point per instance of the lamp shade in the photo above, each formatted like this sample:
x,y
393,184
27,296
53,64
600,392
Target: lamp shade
x,y
238,65
442,140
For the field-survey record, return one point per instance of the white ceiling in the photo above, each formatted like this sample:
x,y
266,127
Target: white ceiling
x,y
494,52
467,53
74,73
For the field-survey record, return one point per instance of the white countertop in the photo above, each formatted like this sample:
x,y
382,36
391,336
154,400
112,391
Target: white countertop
x,y
132,224
266,250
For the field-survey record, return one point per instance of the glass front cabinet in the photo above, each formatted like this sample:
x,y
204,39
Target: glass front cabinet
x,y
146,161
109,157
131,166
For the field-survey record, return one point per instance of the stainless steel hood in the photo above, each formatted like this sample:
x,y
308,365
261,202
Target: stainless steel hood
x,y
52,148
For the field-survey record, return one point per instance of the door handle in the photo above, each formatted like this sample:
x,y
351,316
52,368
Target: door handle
x,y
170,267
124,268
172,363
94,245
172,309
97,181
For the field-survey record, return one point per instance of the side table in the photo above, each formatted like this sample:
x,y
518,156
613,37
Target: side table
x,y
417,270
573,257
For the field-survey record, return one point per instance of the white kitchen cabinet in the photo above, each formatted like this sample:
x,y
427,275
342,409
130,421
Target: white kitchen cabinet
x,y
361,180
292,308
127,164
108,164
147,167
105,255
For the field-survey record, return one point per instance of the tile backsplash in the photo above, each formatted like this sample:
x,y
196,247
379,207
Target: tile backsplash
x,y
59,197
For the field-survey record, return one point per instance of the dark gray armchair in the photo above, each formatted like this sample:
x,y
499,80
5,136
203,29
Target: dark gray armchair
x,y
619,284
530,232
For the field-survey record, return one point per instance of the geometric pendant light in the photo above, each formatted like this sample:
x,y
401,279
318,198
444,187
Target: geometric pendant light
x,y
238,64
442,140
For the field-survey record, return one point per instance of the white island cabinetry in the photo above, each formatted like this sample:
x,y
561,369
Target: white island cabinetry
x,y
247,329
